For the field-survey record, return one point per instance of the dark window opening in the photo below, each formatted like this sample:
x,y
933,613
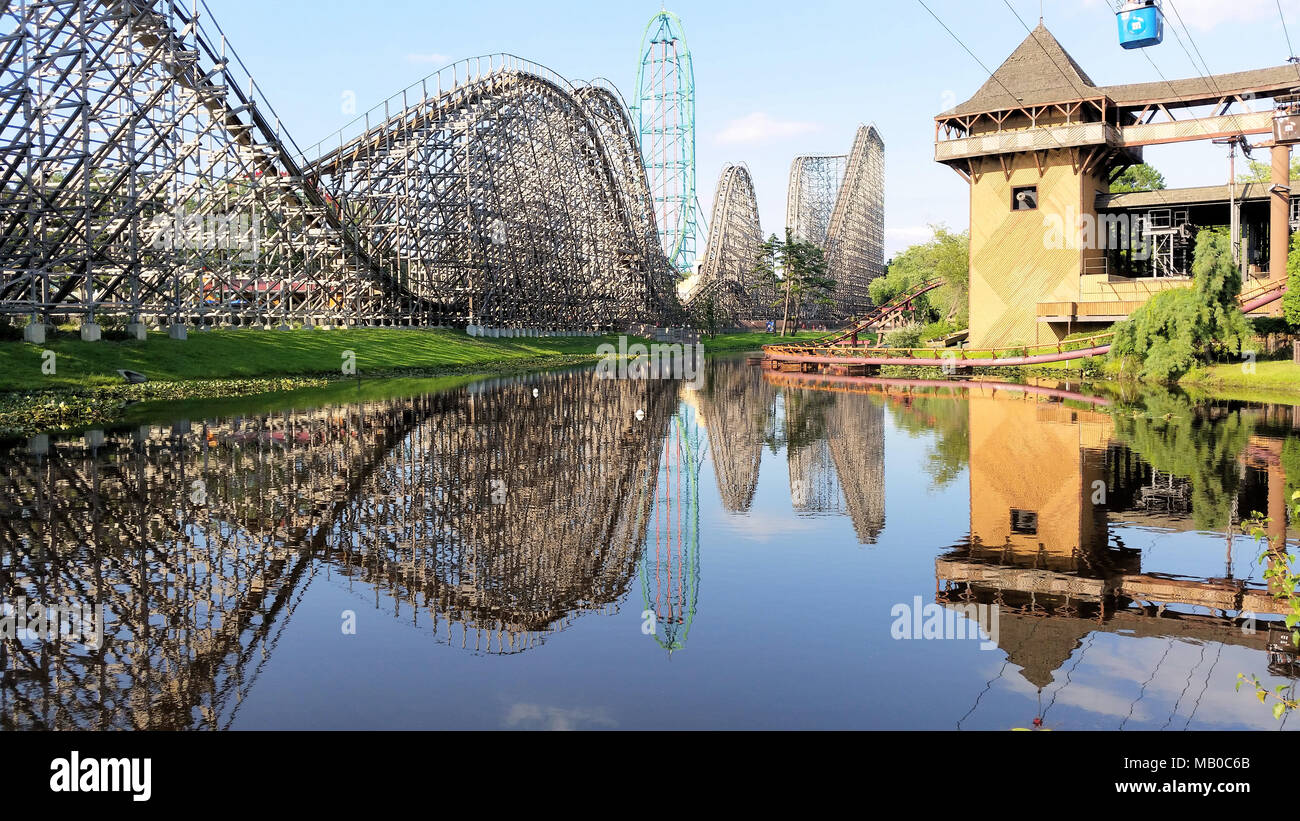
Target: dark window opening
x,y
1024,522
1024,198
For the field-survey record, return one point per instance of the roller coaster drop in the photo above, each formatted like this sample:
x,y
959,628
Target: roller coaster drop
x,y
144,177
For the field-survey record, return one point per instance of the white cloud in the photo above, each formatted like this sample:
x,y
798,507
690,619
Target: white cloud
x,y
1206,14
761,126
435,58
546,717
764,526
1203,15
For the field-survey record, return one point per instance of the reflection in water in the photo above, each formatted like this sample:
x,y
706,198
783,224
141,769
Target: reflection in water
x,y
489,518
670,569
835,451
736,407
1055,484
499,513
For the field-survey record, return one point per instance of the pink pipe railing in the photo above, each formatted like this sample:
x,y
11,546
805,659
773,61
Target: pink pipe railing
x,y
939,362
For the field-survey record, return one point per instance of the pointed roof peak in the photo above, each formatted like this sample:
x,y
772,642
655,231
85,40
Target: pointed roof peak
x,y
1038,72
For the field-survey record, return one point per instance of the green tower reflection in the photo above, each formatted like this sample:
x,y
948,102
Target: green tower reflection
x,y
670,560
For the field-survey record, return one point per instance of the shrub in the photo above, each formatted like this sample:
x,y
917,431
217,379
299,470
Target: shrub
x,y
937,330
1175,330
907,336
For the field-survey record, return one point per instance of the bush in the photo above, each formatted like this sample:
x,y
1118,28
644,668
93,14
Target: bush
x,y
937,330
907,336
1176,330
1265,325
1291,299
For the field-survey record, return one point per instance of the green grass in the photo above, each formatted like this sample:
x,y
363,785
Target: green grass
x,y
335,393
247,353
1281,377
752,341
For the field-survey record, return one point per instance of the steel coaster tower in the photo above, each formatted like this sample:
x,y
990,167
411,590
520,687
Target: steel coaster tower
x,y
664,117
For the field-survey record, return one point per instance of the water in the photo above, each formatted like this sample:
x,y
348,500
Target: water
x,y
557,551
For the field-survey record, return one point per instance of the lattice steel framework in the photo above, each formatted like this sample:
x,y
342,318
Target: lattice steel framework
x,y
664,113
726,273
856,435
505,196
144,175
837,201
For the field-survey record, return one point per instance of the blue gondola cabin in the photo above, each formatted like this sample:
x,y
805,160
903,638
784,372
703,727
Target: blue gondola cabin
x,y
1141,24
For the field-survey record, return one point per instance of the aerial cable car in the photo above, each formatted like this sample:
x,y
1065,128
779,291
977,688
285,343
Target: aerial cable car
x,y
1141,24
1286,119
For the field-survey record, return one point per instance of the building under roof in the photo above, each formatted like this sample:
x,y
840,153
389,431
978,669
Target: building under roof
x,y
1040,142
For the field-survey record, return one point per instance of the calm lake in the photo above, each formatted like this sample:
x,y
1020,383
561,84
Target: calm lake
x,y
557,551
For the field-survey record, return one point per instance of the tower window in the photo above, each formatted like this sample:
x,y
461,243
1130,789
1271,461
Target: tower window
x,y
1024,522
1024,198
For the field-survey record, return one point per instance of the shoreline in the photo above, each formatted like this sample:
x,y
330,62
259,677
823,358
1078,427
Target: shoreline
x,y
84,391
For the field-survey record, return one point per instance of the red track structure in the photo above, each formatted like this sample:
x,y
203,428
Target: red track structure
x,y
832,355
878,314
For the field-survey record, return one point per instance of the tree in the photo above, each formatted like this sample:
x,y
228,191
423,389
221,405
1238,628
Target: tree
x,y
948,423
1291,300
946,255
711,317
796,270
1179,328
1140,177
1174,436
1262,172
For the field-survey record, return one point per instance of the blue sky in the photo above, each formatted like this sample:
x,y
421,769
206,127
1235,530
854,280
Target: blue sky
x,y
773,79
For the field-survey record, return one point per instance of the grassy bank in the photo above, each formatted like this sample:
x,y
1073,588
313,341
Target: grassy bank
x,y
248,354
84,388
754,341
1270,381
337,392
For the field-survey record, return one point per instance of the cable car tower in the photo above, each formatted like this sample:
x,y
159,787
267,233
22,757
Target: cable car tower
x,y
1141,24
664,116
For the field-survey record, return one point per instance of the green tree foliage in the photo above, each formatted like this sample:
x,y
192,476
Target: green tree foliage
x,y
904,336
1140,177
1177,329
948,422
1174,437
797,272
710,317
945,255
803,422
1262,172
1291,465
1291,299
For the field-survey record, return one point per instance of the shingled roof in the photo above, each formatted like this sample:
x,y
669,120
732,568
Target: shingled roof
x,y
1277,78
1038,72
1201,195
